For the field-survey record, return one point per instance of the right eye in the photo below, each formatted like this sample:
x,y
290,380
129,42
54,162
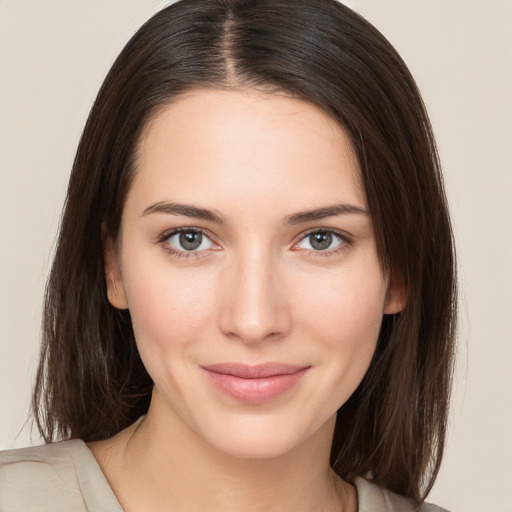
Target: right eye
x,y
183,242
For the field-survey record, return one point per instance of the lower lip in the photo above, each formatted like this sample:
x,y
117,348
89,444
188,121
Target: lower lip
x,y
254,391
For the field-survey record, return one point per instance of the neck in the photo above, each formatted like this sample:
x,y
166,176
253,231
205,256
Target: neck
x,y
163,465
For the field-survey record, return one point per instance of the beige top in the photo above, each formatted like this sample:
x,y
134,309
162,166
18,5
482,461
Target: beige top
x,y
65,477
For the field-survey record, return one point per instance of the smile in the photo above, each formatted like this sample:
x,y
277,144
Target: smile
x,y
254,384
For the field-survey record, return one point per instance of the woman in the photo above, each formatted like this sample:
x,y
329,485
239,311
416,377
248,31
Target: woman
x,y
252,301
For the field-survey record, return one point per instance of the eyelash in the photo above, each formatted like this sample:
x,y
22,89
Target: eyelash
x,y
344,239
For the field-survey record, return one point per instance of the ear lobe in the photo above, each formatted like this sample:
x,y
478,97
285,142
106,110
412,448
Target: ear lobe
x,y
115,288
396,296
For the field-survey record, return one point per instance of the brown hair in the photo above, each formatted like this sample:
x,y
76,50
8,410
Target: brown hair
x,y
91,382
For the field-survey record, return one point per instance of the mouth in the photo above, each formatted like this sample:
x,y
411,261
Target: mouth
x,y
254,384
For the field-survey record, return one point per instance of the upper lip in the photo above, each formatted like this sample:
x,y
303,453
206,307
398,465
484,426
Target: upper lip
x,y
256,371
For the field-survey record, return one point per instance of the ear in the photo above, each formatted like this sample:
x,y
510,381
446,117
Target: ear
x,y
115,288
396,296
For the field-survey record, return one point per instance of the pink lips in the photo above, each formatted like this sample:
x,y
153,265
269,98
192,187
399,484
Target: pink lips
x,y
254,384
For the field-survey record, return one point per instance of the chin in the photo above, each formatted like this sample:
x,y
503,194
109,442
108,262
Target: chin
x,y
256,447
259,438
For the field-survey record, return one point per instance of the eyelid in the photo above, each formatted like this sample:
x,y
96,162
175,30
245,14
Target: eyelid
x,y
173,231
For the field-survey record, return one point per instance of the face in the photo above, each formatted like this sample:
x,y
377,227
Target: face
x,y
248,262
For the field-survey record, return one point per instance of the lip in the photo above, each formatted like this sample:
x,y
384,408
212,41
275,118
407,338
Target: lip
x,y
254,384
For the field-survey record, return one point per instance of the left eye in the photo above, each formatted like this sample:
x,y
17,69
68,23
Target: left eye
x,y
321,241
189,240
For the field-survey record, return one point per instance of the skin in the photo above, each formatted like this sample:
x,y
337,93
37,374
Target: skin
x,y
255,291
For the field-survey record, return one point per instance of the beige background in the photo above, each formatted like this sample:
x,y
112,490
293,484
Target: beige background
x,y
53,57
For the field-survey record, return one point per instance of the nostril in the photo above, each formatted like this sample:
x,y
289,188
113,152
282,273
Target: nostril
x,y
269,328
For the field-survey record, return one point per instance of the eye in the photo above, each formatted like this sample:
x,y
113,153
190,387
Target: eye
x,y
186,240
322,241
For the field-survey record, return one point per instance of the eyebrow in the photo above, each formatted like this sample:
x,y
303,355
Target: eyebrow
x,y
195,212
324,213
186,210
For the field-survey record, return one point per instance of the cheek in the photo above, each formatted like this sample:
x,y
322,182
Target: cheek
x,y
168,308
345,319
348,309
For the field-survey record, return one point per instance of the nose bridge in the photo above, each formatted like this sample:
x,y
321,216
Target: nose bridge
x,y
254,309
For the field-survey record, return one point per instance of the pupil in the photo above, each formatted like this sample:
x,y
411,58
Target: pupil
x,y
320,241
190,240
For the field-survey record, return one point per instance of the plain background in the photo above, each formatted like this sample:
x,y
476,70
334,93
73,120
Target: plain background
x,y
54,55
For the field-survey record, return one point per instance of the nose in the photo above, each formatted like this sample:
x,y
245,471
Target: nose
x,y
255,304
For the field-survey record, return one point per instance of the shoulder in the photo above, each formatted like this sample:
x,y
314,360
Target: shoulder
x,y
53,453
58,477
373,498
40,474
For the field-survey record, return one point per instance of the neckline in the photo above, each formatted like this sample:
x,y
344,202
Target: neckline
x,y
93,480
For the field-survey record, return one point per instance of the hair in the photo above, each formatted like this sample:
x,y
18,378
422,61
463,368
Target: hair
x,y
91,382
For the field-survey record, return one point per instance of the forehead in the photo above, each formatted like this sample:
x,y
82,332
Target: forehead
x,y
231,147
